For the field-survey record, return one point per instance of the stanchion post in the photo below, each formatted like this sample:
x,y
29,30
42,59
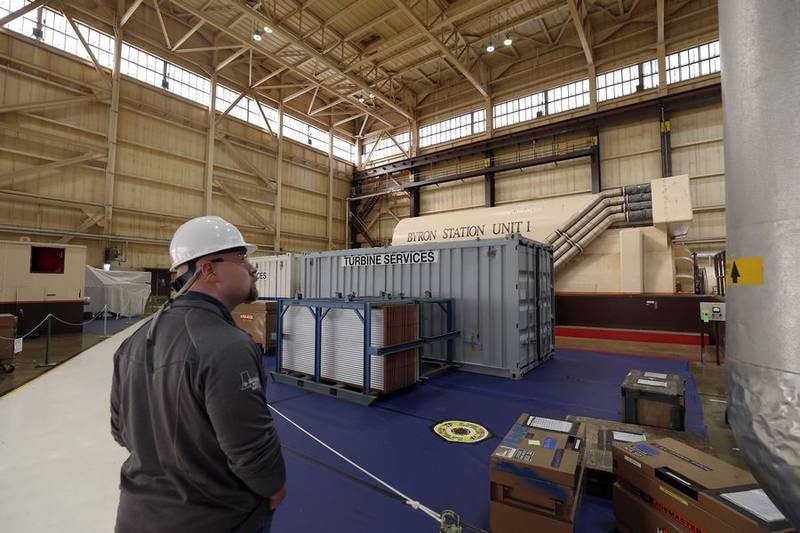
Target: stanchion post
x,y
105,320
47,362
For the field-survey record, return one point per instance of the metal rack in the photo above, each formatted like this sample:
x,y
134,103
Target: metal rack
x,y
362,307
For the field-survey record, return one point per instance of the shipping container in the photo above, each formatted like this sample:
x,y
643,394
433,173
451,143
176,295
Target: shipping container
x,y
278,275
502,290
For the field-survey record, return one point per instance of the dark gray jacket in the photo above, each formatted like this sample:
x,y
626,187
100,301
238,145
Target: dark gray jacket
x,y
204,455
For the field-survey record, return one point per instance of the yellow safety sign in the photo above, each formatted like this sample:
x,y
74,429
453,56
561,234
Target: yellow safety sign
x,y
744,271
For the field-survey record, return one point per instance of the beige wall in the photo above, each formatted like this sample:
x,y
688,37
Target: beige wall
x,y
161,155
18,284
629,153
599,269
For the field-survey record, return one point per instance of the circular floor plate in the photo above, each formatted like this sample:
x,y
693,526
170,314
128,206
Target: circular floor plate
x,y
461,431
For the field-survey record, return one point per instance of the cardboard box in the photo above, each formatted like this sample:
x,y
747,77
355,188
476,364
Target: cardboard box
x,y
601,435
8,329
536,470
654,399
635,515
259,320
510,517
693,489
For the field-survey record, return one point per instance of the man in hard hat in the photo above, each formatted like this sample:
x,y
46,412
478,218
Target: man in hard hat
x,y
188,400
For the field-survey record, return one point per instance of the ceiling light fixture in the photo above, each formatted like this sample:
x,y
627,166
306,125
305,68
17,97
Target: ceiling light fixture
x,y
371,95
267,29
256,35
507,41
490,47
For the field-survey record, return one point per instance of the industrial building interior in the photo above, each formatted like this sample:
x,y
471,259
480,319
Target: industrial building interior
x,y
522,265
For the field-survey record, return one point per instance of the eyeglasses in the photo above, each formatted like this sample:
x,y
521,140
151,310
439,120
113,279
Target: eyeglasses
x,y
242,261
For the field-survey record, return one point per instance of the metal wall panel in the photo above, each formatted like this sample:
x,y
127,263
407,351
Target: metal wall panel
x,y
278,275
494,303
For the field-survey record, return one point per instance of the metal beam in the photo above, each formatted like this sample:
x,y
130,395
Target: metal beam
x,y
452,59
348,119
161,23
232,105
22,11
188,34
597,180
207,49
129,13
183,5
238,201
7,179
211,134
285,33
243,162
51,104
666,143
263,115
505,26
330,189
577,20
113,121
278,209
231,58
90,221
687,99
300,93
85,45
405,153
534,161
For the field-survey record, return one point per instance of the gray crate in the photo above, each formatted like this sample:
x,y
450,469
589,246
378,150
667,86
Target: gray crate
x,y
504,299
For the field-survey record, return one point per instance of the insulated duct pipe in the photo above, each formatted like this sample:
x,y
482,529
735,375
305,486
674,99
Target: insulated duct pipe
x,y
611,193
760,42
566,235
589,237
636,208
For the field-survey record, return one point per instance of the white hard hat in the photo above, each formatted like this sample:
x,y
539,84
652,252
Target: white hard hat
x,y
203,236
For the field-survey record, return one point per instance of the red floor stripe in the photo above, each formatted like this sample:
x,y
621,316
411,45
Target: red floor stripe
x,y
631,336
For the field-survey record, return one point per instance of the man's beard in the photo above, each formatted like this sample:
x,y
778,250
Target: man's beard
x,y
252,296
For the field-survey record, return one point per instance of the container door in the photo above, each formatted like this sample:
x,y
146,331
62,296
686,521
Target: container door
x,y
527,303
546,303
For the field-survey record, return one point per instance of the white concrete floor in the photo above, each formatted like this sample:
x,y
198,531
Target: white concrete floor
x,y
59,465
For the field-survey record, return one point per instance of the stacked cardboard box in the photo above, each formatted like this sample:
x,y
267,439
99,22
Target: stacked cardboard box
x,y
259,320
8,330
401,325
654,399
601,435
537,476
665,485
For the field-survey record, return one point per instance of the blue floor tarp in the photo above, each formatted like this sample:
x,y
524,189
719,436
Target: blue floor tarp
x,y
393,440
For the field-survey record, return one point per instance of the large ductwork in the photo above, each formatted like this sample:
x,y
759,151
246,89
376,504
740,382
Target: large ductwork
x,y
759,46
621,205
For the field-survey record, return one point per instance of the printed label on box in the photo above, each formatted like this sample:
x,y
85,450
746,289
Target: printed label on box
x,y
652,383
17,345
657,375
505,451
646,449
550,424
549,443
624,436
635,463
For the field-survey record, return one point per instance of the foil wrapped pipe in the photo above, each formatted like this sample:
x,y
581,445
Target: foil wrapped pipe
x,y
759,43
